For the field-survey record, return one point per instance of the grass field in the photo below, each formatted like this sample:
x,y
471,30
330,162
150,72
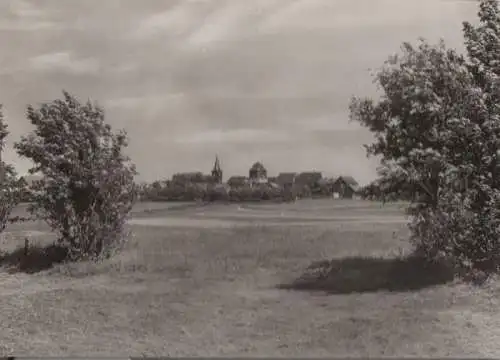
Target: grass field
x,y
234,280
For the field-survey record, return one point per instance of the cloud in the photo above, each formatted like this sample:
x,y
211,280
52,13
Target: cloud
x,y
146,100
362,14
25,9
14,25
206,23
123,68
233,136
256,79
20,15
223,24
174,21
63,61
331,122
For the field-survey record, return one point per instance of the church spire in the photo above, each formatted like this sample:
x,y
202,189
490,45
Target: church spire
x,y
217,171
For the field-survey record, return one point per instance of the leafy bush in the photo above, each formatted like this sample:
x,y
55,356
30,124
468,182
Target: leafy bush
x,y
457,232
437,130
10,185
88,186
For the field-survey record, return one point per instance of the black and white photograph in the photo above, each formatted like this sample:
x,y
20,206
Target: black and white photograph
x,y
249,178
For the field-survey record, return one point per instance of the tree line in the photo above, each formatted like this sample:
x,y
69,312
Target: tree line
x,y
188,191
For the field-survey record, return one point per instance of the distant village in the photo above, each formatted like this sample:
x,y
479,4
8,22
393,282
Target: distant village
x,y
257,185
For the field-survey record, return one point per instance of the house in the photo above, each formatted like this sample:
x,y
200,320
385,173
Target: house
x,y
326,185
27,182
274,185
286,182
237,181
31,179
286,179
311,178
345,187
188,177
307,183
197,177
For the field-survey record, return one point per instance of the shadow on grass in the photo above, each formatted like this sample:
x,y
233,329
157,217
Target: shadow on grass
x,y
35,259
366,274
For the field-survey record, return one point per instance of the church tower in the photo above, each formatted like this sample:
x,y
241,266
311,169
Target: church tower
x,y
217,171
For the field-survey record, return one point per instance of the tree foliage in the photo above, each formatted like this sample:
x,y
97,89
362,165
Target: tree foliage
x,y
88,186
416,114
10,184
171,191
437,131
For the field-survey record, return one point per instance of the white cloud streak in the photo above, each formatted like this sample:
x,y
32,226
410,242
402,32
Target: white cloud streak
x,y
64,61
233,136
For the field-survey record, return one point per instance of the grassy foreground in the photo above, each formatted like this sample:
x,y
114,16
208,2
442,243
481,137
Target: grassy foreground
x,y
247,291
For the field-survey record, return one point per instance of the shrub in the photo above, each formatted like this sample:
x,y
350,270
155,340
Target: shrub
x,y
88,186
10,185
457,233
437,131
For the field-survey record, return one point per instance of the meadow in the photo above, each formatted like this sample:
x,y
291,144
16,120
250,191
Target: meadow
x,y
311,278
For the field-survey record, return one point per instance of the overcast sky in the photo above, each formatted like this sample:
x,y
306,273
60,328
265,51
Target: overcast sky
x,y
266,80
